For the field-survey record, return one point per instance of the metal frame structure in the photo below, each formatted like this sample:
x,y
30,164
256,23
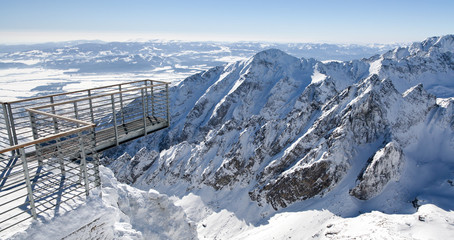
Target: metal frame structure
x,y
47,173
121,112
49,144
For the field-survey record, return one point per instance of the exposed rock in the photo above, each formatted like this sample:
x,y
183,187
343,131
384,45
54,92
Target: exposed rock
x,y
386,166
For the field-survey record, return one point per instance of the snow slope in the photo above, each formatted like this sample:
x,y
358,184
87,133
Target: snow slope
x,y
118,211
124,212
430,222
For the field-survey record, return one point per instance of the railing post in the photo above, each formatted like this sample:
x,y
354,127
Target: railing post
x,y
53,112
114,118
83,163
36,136
90,103
121,105
92,115
146,97
8,127
144,113
168,104
28,183
152,100
60,157
76,114
12,125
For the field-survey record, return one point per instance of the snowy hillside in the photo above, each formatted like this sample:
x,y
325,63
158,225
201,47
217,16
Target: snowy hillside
x,y
124,212
275,132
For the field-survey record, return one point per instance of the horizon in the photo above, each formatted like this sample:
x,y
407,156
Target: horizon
x,y
291,21
51,38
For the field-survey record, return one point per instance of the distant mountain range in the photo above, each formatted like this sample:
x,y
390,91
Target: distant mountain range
x,y
99,57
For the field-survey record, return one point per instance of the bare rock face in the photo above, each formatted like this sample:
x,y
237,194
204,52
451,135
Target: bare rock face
x,y
385,166
301,184
127,169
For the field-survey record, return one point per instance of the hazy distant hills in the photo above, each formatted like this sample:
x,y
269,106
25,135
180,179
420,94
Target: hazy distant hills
x,y
93,57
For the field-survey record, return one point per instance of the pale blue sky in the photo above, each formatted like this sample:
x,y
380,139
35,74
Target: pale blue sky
x,y
331,21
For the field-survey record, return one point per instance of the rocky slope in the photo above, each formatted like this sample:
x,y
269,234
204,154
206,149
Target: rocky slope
x,y
282,130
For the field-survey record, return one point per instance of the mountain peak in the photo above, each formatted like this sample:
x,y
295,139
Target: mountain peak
x,y
434,44
272,55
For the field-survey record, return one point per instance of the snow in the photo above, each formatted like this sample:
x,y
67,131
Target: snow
x,y
429,222
375,66
318,77
116,211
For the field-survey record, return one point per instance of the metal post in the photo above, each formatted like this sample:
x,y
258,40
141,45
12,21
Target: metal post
x,y
28,184
146,97
83,163
8,127
114,119
121,106
91,107
92,116
144,114
36,136
12,125
76,114
53,112
168,104
152,99
60,157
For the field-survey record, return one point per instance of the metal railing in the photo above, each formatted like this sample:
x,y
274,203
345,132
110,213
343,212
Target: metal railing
x,y
49,144
46,176
121,112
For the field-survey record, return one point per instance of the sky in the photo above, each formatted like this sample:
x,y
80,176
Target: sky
x,y
327,21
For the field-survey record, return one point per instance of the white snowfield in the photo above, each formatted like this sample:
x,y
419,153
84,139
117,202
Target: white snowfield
x,y
119,211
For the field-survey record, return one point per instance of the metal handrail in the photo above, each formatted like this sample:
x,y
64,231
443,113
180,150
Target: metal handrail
x,y
53,136
98,96
60,117
93,105
46,139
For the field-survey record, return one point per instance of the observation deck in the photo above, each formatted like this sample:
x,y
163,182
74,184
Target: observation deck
x,y
49,144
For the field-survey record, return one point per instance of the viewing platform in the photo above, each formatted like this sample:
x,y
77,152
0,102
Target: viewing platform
x,y
49,144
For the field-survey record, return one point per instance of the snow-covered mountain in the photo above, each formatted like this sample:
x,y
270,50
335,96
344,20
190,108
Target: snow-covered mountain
x,y
277,131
